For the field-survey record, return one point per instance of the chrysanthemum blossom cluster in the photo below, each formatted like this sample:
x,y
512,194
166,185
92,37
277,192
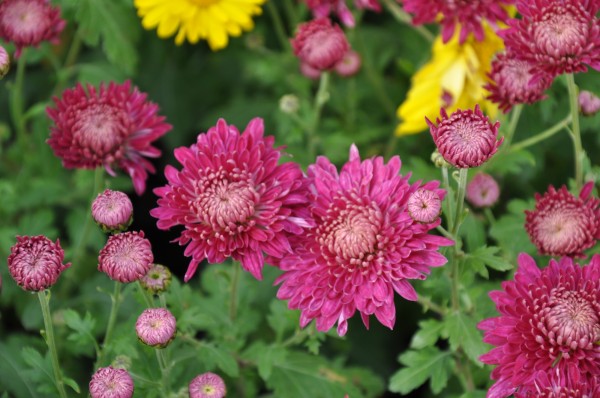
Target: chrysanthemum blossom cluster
x,y
207,385
364,246
112,211
4,62
157,279
324,8
111,382
549,323
562,224
556,36
424,206
35,262
483,190
27,23
320,44
466,138
113,126
553,384
468,14
126,257
233,198
589,103
211,20
156,327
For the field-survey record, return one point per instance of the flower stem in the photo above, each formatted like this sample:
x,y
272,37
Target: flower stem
x,y
321,98
16,100
401,16
112,318
460,200
542,136
449,198
575,130
164,370
235,280
44,297
278,24
512,125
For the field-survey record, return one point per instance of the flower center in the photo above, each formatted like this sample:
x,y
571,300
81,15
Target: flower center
x,y
573,321
208,389
204,3
560,33
25,18
101,129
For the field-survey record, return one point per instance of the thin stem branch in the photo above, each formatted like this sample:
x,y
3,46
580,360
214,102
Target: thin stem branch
x,y
515,115
460,200
401,16
449,198
542,136
278,24
234,290
112,318
17,102
44,297
426,303
165,369
321,97
575,130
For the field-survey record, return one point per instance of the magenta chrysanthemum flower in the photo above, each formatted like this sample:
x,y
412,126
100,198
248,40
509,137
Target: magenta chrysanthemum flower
x,y
515,81
589,103
424,206
4,62
483,190
549,320
29,22
111,383
35,262
323,8
126,257
466,138
112,211
562,224
207,385
469,14
233,198
364,246
553,384
111,126
558,36
156,327
157,279
320,44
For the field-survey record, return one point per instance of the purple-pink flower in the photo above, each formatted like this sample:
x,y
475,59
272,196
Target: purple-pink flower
x,y
157,279
320,44
114,126
424,206
35,262
549,321
323,8
126,257
112,211
553,384
156,327
110,382
4,62
589,103
483,190
207,385
364,246
233,198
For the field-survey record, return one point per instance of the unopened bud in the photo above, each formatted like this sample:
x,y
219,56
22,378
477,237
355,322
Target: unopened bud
x,y
289,104
4,62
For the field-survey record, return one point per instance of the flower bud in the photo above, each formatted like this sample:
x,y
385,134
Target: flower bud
x,y
4,62
112,211
289,104
483,191
111,382
349,65
589,103
424,206
156,327
157,280
207,385
126,257
320,44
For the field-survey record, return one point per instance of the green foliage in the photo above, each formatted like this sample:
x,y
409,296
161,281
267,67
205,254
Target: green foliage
x,y
427,363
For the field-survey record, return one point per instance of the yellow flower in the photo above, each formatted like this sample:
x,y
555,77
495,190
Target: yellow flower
x,y
211,20
452,79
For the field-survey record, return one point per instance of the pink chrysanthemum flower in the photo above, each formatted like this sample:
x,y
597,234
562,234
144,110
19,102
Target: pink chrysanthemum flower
x,y
553,384
157,279
549,320
112,211
424,206
364,246
589,103
515,81
466,138
320,44
469,14
233,198
323,8
35,262
156,327
483,190
111,126
126,257
27,23
111,383
558,36
207,385
562,224
4,62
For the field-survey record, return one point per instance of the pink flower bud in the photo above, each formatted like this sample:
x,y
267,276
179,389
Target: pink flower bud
x,y
589,103
424,206
4,62
156,327
349,65
35,262
157,279
112,211
111,383
483,190
320,44
207,385
126,257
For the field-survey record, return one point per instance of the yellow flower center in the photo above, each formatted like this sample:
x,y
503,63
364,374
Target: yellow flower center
x,y
204,3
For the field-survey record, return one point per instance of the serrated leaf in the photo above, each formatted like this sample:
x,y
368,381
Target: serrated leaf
x,y
420,366
222,358
510,162
462,332
486,256
12,374
270,356
428,333
83,328
41,367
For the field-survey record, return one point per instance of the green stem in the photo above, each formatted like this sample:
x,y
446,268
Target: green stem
x,y
489,216
112,318
575,130
17,102
449,198
164,370
234,290
542,136
515,115
44,297
426,303
401,16
291,11
321,98
278,24
460,200
144,294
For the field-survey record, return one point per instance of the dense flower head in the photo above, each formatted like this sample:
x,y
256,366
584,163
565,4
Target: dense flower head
x,y
363,247
557,36
194,20
110,382
323,8
112,211
589,103
466,138
549,321
468,13
35,262
4,62
110,126
156,327
27,23
483,190
515,81
157,279
207,385
320,44
553,384
562,224
126,257
424,206
233,198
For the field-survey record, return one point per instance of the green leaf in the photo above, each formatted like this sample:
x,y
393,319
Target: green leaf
x,y
221,357
270,356
12,370
462,332
420,366
486,256
72,383
509,230
428,333
40,370
510,162
83,328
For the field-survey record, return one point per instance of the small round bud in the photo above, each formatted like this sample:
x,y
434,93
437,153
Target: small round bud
x,y
121,362
438,160
156,327
309,71
349,65
4,62
320,43
157,280
126,257
112,211
111,383
483,190
207,385
289,104
589,103
424,206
